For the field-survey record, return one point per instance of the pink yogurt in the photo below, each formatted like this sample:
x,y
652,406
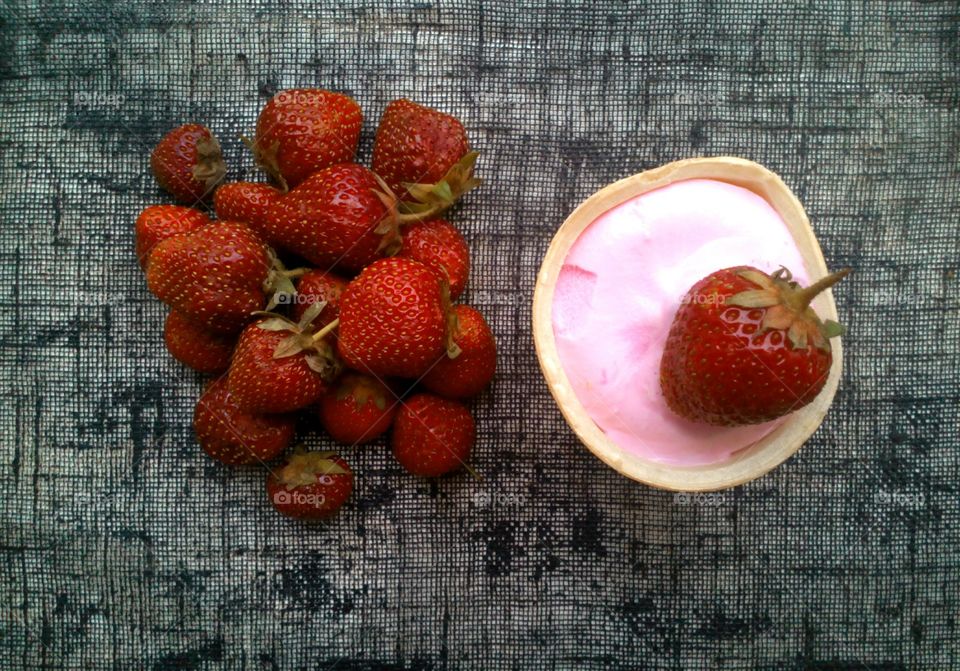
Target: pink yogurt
x,y
618,291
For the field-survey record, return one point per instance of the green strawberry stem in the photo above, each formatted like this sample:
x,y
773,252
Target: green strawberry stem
x,y
319,335
803,297
429,201
473,472
457,181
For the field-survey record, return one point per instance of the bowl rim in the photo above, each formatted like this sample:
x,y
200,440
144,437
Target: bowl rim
x,y
750,462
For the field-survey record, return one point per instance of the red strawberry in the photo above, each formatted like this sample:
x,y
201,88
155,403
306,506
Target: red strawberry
x,y
232,436
303,131
470,372
432,435
331,218
214,275
393,319
187,163
358,410
416,145
279,366
754,351
439,245
317,286
159,222
343,216
311,486
195,346
246,202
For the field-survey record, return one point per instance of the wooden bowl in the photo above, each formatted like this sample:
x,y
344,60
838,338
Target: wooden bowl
x,y
750,462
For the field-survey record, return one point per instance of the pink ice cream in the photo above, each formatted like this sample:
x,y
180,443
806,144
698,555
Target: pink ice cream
x,y
618,291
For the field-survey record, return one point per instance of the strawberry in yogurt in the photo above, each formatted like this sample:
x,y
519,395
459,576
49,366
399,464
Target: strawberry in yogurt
x,y
619,289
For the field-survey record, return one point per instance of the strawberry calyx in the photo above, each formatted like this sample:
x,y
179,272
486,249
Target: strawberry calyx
x,y
438,197
428,201
210,168
453,322
363,389
305,468
318,352
266,160
787,306
278,284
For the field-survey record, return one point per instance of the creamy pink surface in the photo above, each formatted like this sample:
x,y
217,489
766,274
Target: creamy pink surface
x,y
618,291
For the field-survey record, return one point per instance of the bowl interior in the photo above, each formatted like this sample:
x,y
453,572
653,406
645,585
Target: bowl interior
x,y
750,462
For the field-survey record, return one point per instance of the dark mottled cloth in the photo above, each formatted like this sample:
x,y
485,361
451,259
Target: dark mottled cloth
x,y
124,547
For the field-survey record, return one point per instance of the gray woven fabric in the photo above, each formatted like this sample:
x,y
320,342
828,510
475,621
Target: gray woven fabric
x,y
125,547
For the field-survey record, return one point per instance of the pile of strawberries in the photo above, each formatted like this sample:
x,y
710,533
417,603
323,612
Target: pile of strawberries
x,y
325,295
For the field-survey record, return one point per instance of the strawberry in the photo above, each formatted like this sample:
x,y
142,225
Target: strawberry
x,y
317,286
422,154
159,222
195,346
358,410
279,366
470,372
187,163
246,202
234,437
343,216
331,218
753,352
438,245
303,131
432,435
393,319
214,275
311,486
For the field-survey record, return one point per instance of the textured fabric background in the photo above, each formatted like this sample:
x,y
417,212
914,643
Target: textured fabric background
x,y
124,547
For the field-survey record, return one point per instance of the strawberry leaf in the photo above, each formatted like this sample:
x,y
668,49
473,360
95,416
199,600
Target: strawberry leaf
x,y
755,298
798,334
831,329
758,278
777,317
329,467
420,192
276,324
288,347
310,314
324,362
316,363
442,192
